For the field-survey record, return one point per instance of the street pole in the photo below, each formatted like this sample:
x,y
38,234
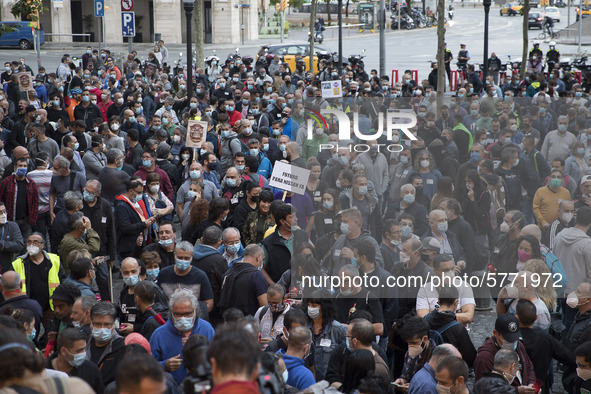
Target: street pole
x,y
568,16
189,5
311,40
580,28
487,4
282,24
242,22
382,21
129,44
399,7
100,37
199,34
340,13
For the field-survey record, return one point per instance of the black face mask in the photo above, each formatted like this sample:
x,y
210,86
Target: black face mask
x,y
337,227
255,199
419,190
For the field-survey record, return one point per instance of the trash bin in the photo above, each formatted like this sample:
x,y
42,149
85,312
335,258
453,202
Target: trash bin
x,y
157,37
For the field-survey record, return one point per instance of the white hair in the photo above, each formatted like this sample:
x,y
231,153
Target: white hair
x,y
182,295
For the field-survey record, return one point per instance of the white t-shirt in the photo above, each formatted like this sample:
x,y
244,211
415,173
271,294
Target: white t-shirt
x,y
543,320
427,298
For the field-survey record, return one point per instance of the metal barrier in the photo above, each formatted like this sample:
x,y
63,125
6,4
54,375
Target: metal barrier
x,y
335,29
394,79
414,75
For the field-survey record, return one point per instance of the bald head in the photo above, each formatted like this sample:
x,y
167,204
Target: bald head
x,y
442,351
20,152
532,229
299,338
129,263
11,281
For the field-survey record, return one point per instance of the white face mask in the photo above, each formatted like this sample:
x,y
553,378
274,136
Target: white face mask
x,y
425,163
155,188
415,350
33,250
566,217
584,374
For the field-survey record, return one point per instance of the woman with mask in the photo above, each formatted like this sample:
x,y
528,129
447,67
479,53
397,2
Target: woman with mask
x,y
315,187
476,207
156,202
526,247
327,333
424,165
179,136
576,163
194,212
259,221
325,216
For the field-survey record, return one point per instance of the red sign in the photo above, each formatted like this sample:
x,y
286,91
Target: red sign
x,y
126,5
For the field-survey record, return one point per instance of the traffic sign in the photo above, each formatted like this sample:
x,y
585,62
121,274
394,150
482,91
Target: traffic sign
x,y
99,8
128,24
126,5
58,3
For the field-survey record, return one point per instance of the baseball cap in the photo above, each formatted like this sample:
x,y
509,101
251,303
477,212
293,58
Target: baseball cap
x,y
508,326
585,179
432,243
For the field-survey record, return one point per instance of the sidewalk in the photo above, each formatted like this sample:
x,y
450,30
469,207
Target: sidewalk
x,y
573,34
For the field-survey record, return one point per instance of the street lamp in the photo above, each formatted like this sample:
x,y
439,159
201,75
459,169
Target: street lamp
x,y
486,4
189,5
340,17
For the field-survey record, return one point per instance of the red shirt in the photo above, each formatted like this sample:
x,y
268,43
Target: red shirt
x,y
233,117
104,107
236,387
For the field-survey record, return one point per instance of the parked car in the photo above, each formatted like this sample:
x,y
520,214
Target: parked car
x,y
535,19
560,4
21,35
511,9
291,52
534,3
552,12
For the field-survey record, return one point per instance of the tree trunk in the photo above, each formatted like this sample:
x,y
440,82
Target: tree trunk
x,y
440,53
525,11
347,10
311,40
328,10
199,34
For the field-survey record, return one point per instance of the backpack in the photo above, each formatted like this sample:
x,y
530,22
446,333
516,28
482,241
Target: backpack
x,y
437,335
243,146
497,201
558,279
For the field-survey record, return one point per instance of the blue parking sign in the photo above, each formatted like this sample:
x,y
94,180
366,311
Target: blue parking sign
x,y
99,8
128,24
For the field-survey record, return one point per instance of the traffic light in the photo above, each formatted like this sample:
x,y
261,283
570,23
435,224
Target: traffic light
x,y
284,4
278,7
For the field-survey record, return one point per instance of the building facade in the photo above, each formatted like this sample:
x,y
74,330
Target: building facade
x,y
222,20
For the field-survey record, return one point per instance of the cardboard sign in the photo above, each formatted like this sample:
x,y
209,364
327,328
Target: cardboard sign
x,y
25,81
332,89
289,178
196,133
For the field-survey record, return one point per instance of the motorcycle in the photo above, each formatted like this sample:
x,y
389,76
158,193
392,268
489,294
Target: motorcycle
x,y
318,37
450,13
356,61
580,63
406,22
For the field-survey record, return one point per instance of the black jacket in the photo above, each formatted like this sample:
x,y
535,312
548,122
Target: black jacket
x,y
477,212
456,247
475,259
338,358
237,288
278,255
418,211
112,354
578,333
541,349
210,261
129,226
493,383
145,323
456,334
101,218
87,372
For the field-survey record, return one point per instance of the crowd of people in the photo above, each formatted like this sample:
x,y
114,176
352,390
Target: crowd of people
x,y
488,206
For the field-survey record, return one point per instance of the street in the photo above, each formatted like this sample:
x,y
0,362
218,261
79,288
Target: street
x,y
406,49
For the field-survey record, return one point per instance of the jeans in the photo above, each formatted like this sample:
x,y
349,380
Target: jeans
x,y
526,209
42,226
102,281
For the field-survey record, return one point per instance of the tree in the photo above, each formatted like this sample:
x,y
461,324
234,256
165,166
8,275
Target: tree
x,y
525,14
30,9
440,53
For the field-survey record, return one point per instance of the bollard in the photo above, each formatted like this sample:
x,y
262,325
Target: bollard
x,y
453,83
578,75
394,79
414,75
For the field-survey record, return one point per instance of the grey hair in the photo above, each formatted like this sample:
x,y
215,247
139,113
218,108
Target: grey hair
x,y
61,162
185,246
349,269
87,302
72,200
253,141
563,117
253,250
358,167
294,146
504,358
113,155
181,295
103,308
406,186
95,182
442,351
229,229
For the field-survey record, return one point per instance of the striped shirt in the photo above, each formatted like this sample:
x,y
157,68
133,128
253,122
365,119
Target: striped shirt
x,y
43,180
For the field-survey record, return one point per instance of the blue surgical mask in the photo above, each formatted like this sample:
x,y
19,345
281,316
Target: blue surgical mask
x,y
404,159
255,111
277,132
86,98
131,280
193,105
32,335
21,172
405,231
229,108
102,335
78,359
233,249
244,102
147,163
348,343
231,182
561,128
409,198
345,228
354,262
225,133
222,85
195,174
442,227
182,265
283,105
475,156
131,119
362,190
254,152
166,242
474,112
240,167
265,147
87,196
580,151
328,204
153,273
183,324
191,194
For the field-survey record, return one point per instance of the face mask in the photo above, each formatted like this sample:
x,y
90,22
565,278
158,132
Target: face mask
x,y
523,257
131,280
504,228
277,132
32,335
56,103
584,374
579,94
222,85
131,119
78,359
119,101
102,334
265,147
146,163
183,324
247,131
165,121
76,146
186,157
406,231
254,152
21,172
153,273
566,217
572,300
404,159
32,249
345,228
240,167
409,198
233,249
285,375
442,227
475,156
230,109
191,195
328,204
155,188
88,197
225,133
443,389
277,308
314,313
231,182
425,163
85,99
561,128
195,174
343,160
182,265
415,350
555,182
580,151
115,126
138,198
254,111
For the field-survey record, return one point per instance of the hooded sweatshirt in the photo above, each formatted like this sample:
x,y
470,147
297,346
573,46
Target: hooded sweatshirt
x,y
230,146
572,247
299,376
